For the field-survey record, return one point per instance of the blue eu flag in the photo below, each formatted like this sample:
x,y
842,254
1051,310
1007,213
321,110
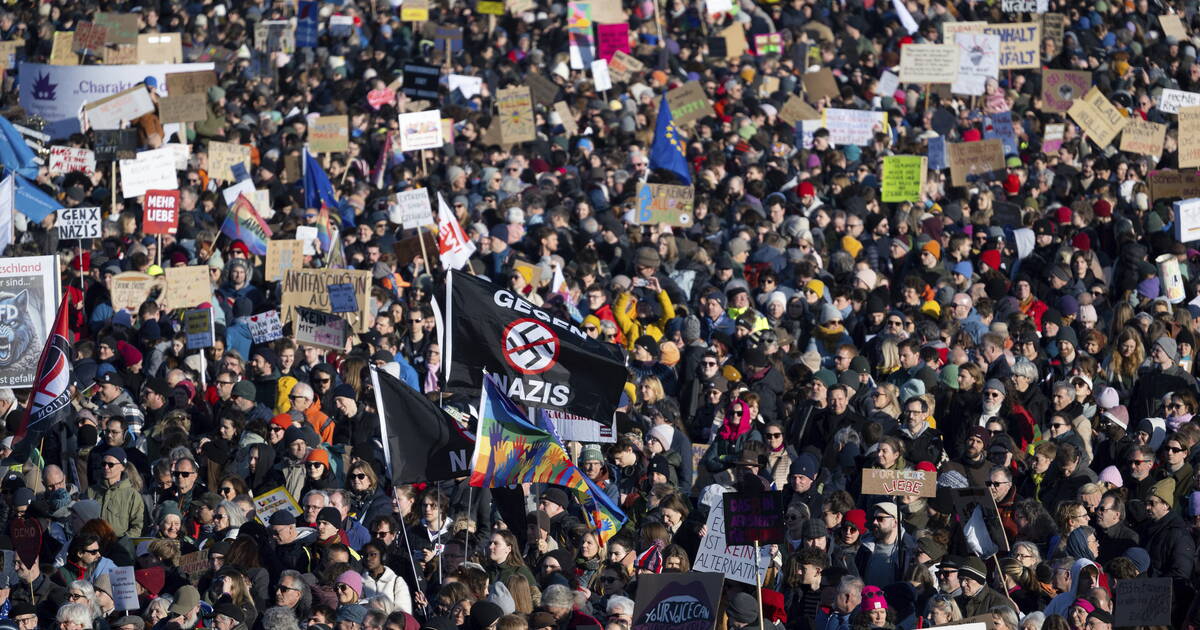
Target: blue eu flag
x,y
667,150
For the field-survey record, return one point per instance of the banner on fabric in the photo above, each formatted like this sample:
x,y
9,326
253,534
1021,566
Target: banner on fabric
x,y
28,301
427,444
853,126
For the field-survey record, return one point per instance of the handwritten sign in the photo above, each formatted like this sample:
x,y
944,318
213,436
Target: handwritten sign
x,y
342,299
1170,100
735,562
1172,184
754,517
664,203
1172,26
265,327
26,534
281,256
1143,137
413,209
324,330
88,37
978,61
1020,44
273,501
198,326
1143,602
329,134
623,66
60,52
1060,88
610,38
183,108
1053,26
903,178
78,223
159,48
899,483
688,103
1187,222
928,63
124,588
516,115
307,288
130,289
795,110
1052,137
111,112
414,11
187,287
222,156
820,84
1189,143
1102,122
151,170
853,126
122,27
196,82
65,160
970,161
193,564
1024,6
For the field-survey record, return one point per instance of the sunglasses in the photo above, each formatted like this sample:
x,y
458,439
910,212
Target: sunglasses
x,y
359,476
315,464
182,473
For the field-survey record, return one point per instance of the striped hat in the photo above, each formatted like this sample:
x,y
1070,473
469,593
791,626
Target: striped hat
x,y
651,559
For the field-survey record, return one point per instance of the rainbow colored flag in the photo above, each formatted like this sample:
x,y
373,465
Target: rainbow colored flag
x,y
243,223
509,450
325,230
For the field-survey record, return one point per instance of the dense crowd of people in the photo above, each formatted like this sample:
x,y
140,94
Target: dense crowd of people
x,y
1014,334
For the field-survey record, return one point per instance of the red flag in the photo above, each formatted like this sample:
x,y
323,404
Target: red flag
x,y
51,394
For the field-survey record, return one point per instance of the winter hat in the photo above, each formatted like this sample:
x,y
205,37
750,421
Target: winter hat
x,y
318,455
1140,558
1169,346
651,559
813,528
664,433
1111,475
691,329
351,579
129,355
1107,398
332,516
857,518
591,453
1165,490
873,599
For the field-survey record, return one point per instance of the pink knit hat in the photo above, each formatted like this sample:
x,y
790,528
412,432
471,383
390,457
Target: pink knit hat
x,y
1112,475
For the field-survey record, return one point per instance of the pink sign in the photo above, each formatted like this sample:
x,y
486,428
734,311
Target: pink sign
x,y
610,38
379,98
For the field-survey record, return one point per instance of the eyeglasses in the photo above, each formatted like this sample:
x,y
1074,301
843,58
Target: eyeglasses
x,y
894,322
296,397
358,476
315,464
183,474
321,380
1057,425
281,587
992,395
774,435
1176,449
220,517
228,490
224,382
996,484
111,464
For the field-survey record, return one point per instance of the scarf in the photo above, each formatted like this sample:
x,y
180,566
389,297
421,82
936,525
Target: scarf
x,y
431,377
728,430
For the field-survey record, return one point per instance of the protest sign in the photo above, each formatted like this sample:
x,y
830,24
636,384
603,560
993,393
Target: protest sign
x,y
820,84
519,7
688,103
26,535
1013,7
899,483
999,125
124,588
489,7
982,527
161,211
221,158
1145,601
414,11
307,288
413,208
889,81
610,38
341,298
795,110
768,44
273,501
544,90
421,81
265,327
734,38
687,601
111,111
1170,100
187,287
1053,26
421,130
341,25
567,117
409,249
903,178
1020,44
88,37
194,82
1052,137
736,562
193,564
1143,137
329,134
130,289
516,115
468,86
622,66
323,330
664,203
970,161
198,326
936,152
183,108
78,223
65,160
122,28
1173,184
928,63
1189,137
1187,220
379,98
159,48
978,61
1060,88
600,79
754,518
1172,26
155,172
572,428
1099,119
60,51
853,126
122,54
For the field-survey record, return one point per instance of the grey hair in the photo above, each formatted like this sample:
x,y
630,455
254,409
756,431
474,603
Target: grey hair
x,y
159,605
846,435
302,389
7,395
1029,547
75,613
1064,385
1033,621
851,584
319,493
237,517
87,590
557,596
381,603
1025,367
949,605
1008,615
280,618
621,603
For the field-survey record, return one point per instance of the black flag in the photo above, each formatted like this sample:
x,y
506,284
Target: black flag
x,y
540,360
424,442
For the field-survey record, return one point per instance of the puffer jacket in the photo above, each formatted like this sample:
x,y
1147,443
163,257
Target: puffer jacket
x,y
391,585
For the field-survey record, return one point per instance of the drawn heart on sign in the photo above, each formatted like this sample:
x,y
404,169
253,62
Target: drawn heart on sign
x,y
379,98
254,318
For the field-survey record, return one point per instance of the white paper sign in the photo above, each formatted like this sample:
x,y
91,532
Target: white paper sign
x,y
265,327
1171,100
600,76
468,85
307,234
315,328
718,6
78,223
889,82
978,61
244,187
413,209
140,175
421,130
124,587
853,126
575,428
1187,220
122,108
735,562
180,153
65,160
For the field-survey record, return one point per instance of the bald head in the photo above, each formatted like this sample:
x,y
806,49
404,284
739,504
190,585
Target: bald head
x,y
53,477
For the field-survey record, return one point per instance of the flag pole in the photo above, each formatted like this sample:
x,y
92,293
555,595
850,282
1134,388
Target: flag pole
x,y
383,432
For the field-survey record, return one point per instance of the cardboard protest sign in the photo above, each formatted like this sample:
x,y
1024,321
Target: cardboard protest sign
x,y
139,175
795,109
623,66
329,134
820,84
281,256
936,152
853,126
184,108
1101,121
1170,100
736,562
974,160
1020,44
122,27
88,37
193,564
323,330
689,601
187,287
928,63
273,501
978,61
65,160
221,158
265,327
341,298
161,212
768,44
1060,88
78,223
307,288
1173,184
611,38
516,115
198,326
544,90
489,7
754,517
159,48
130,289
60,52
688,103
903,178
734,39
1187,220
111,111
26,535
664,203
1052,137
421,130
408,249
196,82
608,12
1143,602
567,117
899,483
413,208
119,55
519,7
1143,137
1172,26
